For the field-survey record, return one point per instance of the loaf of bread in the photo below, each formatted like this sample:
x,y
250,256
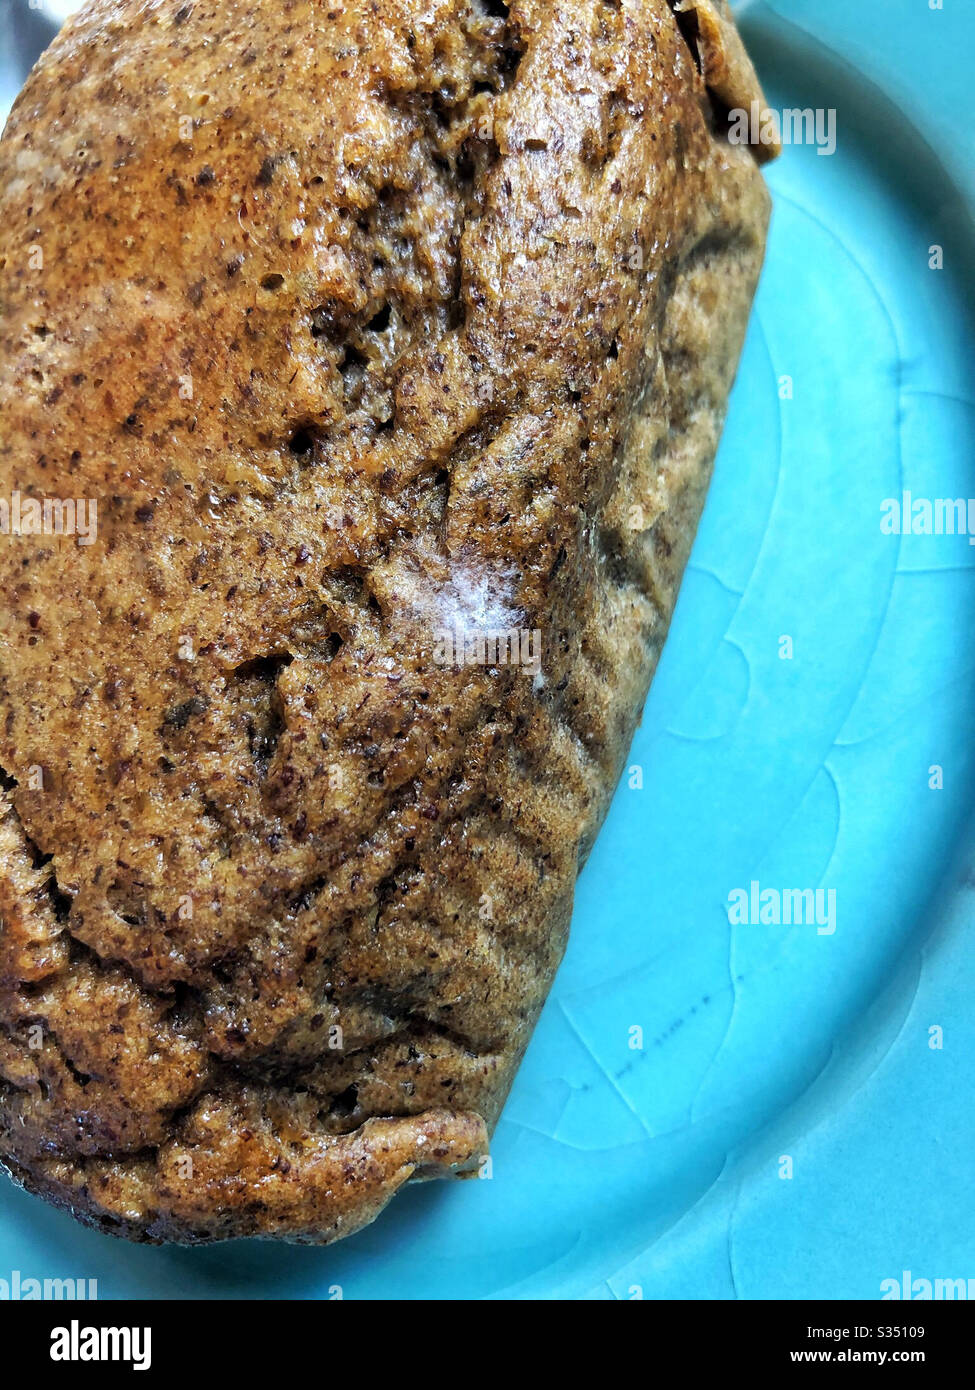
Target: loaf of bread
x,y
361,370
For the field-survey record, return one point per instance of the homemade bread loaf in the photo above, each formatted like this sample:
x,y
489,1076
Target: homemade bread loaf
x,y
382,351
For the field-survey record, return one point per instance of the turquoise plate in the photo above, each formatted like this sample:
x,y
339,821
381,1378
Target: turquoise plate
x,y
713,1108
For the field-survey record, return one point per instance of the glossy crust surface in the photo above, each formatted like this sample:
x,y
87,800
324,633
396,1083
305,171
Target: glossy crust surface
x,y
360,322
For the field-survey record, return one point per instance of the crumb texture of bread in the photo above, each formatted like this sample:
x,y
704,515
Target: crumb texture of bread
x,y
361,324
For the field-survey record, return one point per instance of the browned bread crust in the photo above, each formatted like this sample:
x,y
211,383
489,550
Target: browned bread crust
x,y
357,326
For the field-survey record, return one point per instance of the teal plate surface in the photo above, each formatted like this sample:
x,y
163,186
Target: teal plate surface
x,y
724,1110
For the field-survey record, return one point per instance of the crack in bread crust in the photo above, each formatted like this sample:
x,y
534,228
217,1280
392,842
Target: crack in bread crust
x,y
360,331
